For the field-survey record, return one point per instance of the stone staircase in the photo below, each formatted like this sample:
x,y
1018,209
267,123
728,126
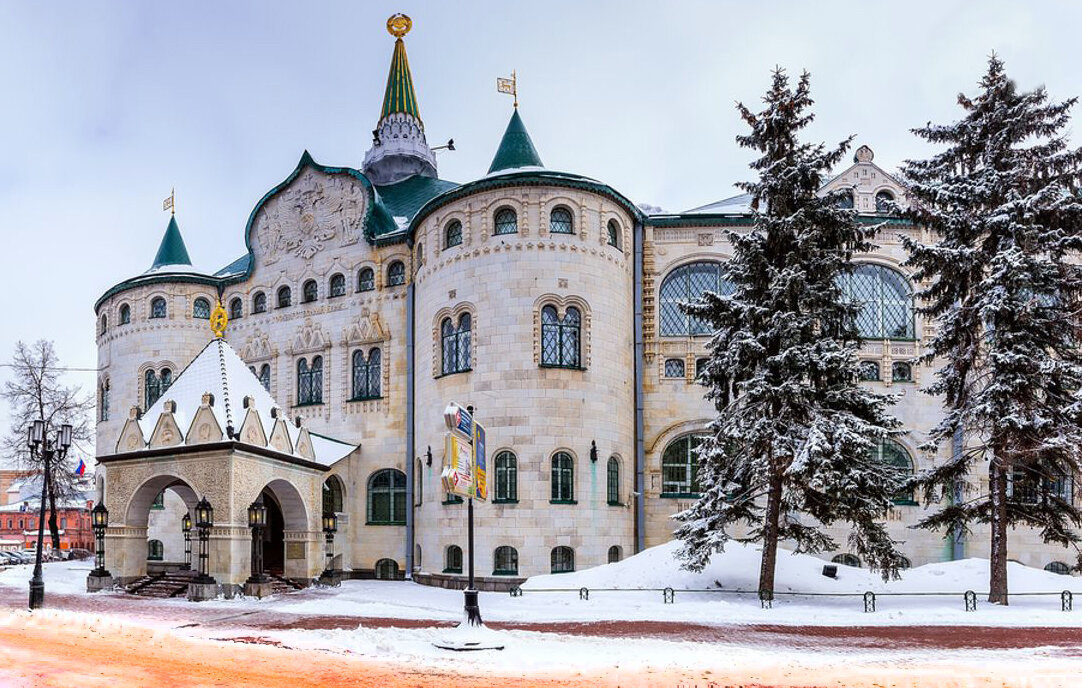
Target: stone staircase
x,y
162,585
282,585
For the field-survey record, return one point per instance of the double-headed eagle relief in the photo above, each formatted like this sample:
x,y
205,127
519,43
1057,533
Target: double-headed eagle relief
x,y
315,211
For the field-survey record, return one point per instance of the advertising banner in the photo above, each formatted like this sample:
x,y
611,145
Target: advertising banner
x,y
480,474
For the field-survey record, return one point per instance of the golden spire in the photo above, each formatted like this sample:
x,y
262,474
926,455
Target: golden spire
x,y
399,25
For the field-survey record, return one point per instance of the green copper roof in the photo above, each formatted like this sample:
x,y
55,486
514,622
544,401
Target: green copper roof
x,y
516,149
400,96
405,198
172,250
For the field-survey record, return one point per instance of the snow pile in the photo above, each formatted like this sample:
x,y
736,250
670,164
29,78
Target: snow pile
x,y
65,577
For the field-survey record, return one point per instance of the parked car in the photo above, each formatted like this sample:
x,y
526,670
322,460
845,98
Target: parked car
x,y
79,554
8,559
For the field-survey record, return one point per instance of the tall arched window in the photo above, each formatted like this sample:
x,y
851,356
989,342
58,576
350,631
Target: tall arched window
x,y
612,482
387,497
562,560
680,466
333,495
453,563
686,284
259,302
310,381
201,309
886,301
157,307
367,374
309,291
165,379
125,314
505,561
614,554
506,477
152,388
155,550
285,297
561,338
614,233
264,376
103,400
236,308
505,221
456,344
890,453
452,234
560,221
883,199
563,478
396,274
366,279
338,285
103,324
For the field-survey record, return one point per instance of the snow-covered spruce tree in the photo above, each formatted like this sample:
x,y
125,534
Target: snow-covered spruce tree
x,y
791,448
1002,201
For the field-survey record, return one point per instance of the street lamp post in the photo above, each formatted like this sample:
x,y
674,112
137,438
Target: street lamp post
x,y
257,520
99,520
204,520
186,528
46,450
330,527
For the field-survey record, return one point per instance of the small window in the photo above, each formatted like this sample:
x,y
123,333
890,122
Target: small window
x,y
506,477
236,308
157,307
103,401
201,309
869,370
366,279
901,372
396,274
420,254
264,376
560,221
700,368
309,291
454,559
674,367
452,234
103,324
847,560
614,233
338,285
614,554
505,561
845,200
563,560
155,550
386,569
613,482
285,297
1058,567
159,501
125,314
883,199
506,221
563,478
259,302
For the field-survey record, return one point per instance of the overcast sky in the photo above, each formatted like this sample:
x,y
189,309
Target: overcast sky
x,y
109,105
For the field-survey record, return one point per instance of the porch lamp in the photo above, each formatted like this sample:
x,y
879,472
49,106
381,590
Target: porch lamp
x,y
330,527
204,521
99,521
257,520
46,451
186,528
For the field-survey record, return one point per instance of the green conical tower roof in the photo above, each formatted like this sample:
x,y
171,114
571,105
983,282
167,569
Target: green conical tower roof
x,y
516,149
400,96
172,250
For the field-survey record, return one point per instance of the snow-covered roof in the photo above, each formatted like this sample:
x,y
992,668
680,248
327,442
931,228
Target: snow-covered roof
x,y
735,205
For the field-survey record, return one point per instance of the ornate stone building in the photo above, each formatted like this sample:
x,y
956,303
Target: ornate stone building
x,y
367,299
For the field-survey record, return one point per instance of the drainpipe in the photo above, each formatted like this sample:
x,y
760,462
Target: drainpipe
x,y
640,445
410,453
957,539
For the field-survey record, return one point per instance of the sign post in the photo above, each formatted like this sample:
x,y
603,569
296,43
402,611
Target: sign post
x,y
465,474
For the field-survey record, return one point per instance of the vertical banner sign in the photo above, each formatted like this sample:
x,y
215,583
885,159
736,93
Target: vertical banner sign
x,y
480,475
459,473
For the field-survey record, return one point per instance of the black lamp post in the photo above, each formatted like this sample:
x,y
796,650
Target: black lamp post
x,y
186,528
330,527
257,520
99,521
47,451
204,520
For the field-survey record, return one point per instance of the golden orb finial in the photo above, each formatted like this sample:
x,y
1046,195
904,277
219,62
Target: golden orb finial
x,y
218,320
399,25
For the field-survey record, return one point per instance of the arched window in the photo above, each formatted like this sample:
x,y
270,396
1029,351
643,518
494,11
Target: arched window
x,y
396,274
560,221
338,285
387,497
259,302
166,378
157,307
901,372
285,297
680,466
700,368
674,367
125,314
310,381
309,291
236,308
561,338
333,495
612,482
103,324
452,234
883,199
506,477
1058,567
386,569
420,254
456,344
869,370
614,233
886,301
847,560
563,560
155,550
151,388
453,563
891,453
367,374
505,561
685,284
366,279
201,309
264,376
505,221
103,400
614,554
845,200
563,478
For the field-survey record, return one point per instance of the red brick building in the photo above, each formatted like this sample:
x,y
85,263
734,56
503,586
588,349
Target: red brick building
x,y
19,526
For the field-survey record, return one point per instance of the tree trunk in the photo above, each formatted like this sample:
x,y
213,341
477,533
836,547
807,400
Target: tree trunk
x,y
770,538
54,531
997,558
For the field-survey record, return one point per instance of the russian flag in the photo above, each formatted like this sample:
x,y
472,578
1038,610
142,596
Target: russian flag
x,y
80,469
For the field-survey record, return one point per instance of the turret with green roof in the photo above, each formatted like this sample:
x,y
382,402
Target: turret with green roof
x,y
516,148
172,250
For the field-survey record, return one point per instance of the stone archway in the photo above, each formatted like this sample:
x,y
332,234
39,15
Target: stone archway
x,y
285,540
128,545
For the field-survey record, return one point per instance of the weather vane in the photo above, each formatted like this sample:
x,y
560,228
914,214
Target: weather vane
x,y
399,25
508,86
169,203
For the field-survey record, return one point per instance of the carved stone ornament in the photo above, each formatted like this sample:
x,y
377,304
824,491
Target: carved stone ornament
x,y
367,329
